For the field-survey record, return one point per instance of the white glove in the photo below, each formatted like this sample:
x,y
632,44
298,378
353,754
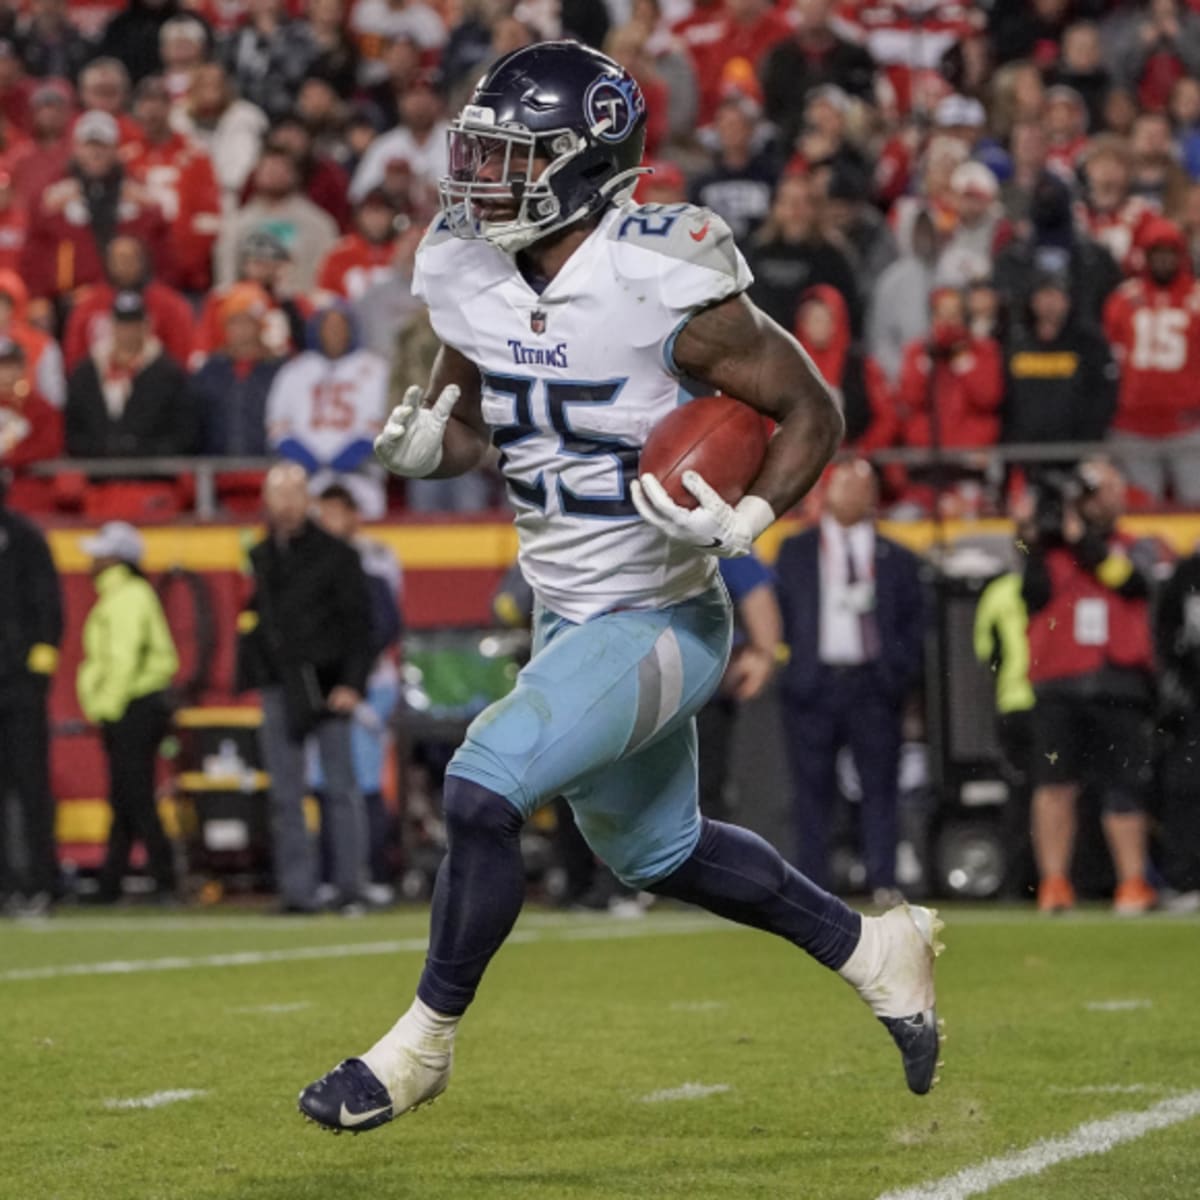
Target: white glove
x,y
715,526
411,441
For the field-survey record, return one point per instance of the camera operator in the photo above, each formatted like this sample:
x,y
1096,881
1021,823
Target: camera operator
x,y
1177,640
1086,587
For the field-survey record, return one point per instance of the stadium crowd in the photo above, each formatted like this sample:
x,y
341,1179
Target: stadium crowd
x,y
981,219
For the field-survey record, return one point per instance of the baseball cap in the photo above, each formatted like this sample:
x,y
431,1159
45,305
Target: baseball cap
x,y
115,539
973,178
245,299
97,126
959,111
11,351
52,91
128,306
833,95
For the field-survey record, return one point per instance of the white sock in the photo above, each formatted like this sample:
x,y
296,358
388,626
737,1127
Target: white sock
x,y
420,1029
866,960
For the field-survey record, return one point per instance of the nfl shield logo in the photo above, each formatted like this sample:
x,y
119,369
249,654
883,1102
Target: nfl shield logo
x,y
537,321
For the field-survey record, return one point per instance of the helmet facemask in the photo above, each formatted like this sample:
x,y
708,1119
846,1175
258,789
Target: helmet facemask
x,y
537,204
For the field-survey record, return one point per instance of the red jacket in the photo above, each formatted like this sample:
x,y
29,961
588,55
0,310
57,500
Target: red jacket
x,y
966,389
1086,626
714,46
31,431
179,176
355,264
91,321
61,253
1155,336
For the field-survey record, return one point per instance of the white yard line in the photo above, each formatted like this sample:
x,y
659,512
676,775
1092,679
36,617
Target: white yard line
x,y
155,1099
616,931
686,1091
698,1006
1111,1089
271,1010
1095,1137
1117,1005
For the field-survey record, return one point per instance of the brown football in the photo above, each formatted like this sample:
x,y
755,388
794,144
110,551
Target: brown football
x,y
720,439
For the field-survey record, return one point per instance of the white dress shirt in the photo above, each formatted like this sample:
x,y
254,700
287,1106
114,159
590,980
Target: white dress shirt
x,y
840,641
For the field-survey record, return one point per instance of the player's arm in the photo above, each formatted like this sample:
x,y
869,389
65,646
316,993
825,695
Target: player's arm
x,y
440,433
739,350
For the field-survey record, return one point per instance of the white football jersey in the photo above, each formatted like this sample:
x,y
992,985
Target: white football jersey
x,y
574,379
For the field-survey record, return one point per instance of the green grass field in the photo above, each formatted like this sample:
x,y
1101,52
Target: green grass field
x,y
1052,1024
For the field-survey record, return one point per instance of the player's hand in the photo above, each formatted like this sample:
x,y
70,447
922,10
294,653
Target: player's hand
x,y
411,441
343,699
749,672
715,527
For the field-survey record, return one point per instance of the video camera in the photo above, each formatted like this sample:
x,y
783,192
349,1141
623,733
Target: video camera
x,y
1059,492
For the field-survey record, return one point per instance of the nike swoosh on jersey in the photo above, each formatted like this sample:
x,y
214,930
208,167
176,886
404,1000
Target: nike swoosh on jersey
x,y
698,235
348,1120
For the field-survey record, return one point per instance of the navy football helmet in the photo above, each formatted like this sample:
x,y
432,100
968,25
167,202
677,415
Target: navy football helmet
x,y
553,134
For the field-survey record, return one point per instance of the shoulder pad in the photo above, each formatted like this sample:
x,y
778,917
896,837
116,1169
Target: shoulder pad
x,y
684,232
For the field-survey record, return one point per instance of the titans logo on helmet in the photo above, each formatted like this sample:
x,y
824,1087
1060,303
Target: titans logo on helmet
x,y
618,101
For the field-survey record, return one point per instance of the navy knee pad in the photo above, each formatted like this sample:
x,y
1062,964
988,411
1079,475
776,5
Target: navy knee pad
x,y
1119,802
470,808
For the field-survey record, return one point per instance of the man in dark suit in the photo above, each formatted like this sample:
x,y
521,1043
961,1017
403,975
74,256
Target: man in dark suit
x,y
853,620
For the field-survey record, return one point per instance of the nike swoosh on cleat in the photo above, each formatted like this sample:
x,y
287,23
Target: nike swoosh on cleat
x,y
698,235
349,1120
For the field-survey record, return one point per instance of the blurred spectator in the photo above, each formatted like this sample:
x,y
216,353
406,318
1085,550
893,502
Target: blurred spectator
x,y
1106,211
1153,324
322,179
104,87
1054,244
232,385
1090,662
822,143
1177,642
376,22
1028,165
50,44
1018,98
899,311
1120,111
31,431
79,215
739,185
278,205
371,727
823,329
984,310
854,625
43,358
327,405
813,56
387,305
333,55
31,617
863,230
268,56
128,399
305,642
1062,381
182,46
230,129
14,225
1081,68
672,63
132,36
469,46
967,254
951,383
1155,174
741,29
1065,120
15,90
363,258
1160,48
401,61
629,47
179,175
419,142
1190,222
908,41
129,661
50,114
127,270
933,193
790,253
326,117
263,260
1029,29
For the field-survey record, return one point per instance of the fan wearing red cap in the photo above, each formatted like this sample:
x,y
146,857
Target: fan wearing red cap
x,y
1153,326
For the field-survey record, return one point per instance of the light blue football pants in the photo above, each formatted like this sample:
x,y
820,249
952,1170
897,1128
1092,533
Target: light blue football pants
x,y
603,714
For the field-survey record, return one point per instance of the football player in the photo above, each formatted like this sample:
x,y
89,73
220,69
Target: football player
x,y
568,316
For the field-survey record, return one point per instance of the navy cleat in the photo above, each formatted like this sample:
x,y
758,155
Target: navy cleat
x,y
918,1039
349,1097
